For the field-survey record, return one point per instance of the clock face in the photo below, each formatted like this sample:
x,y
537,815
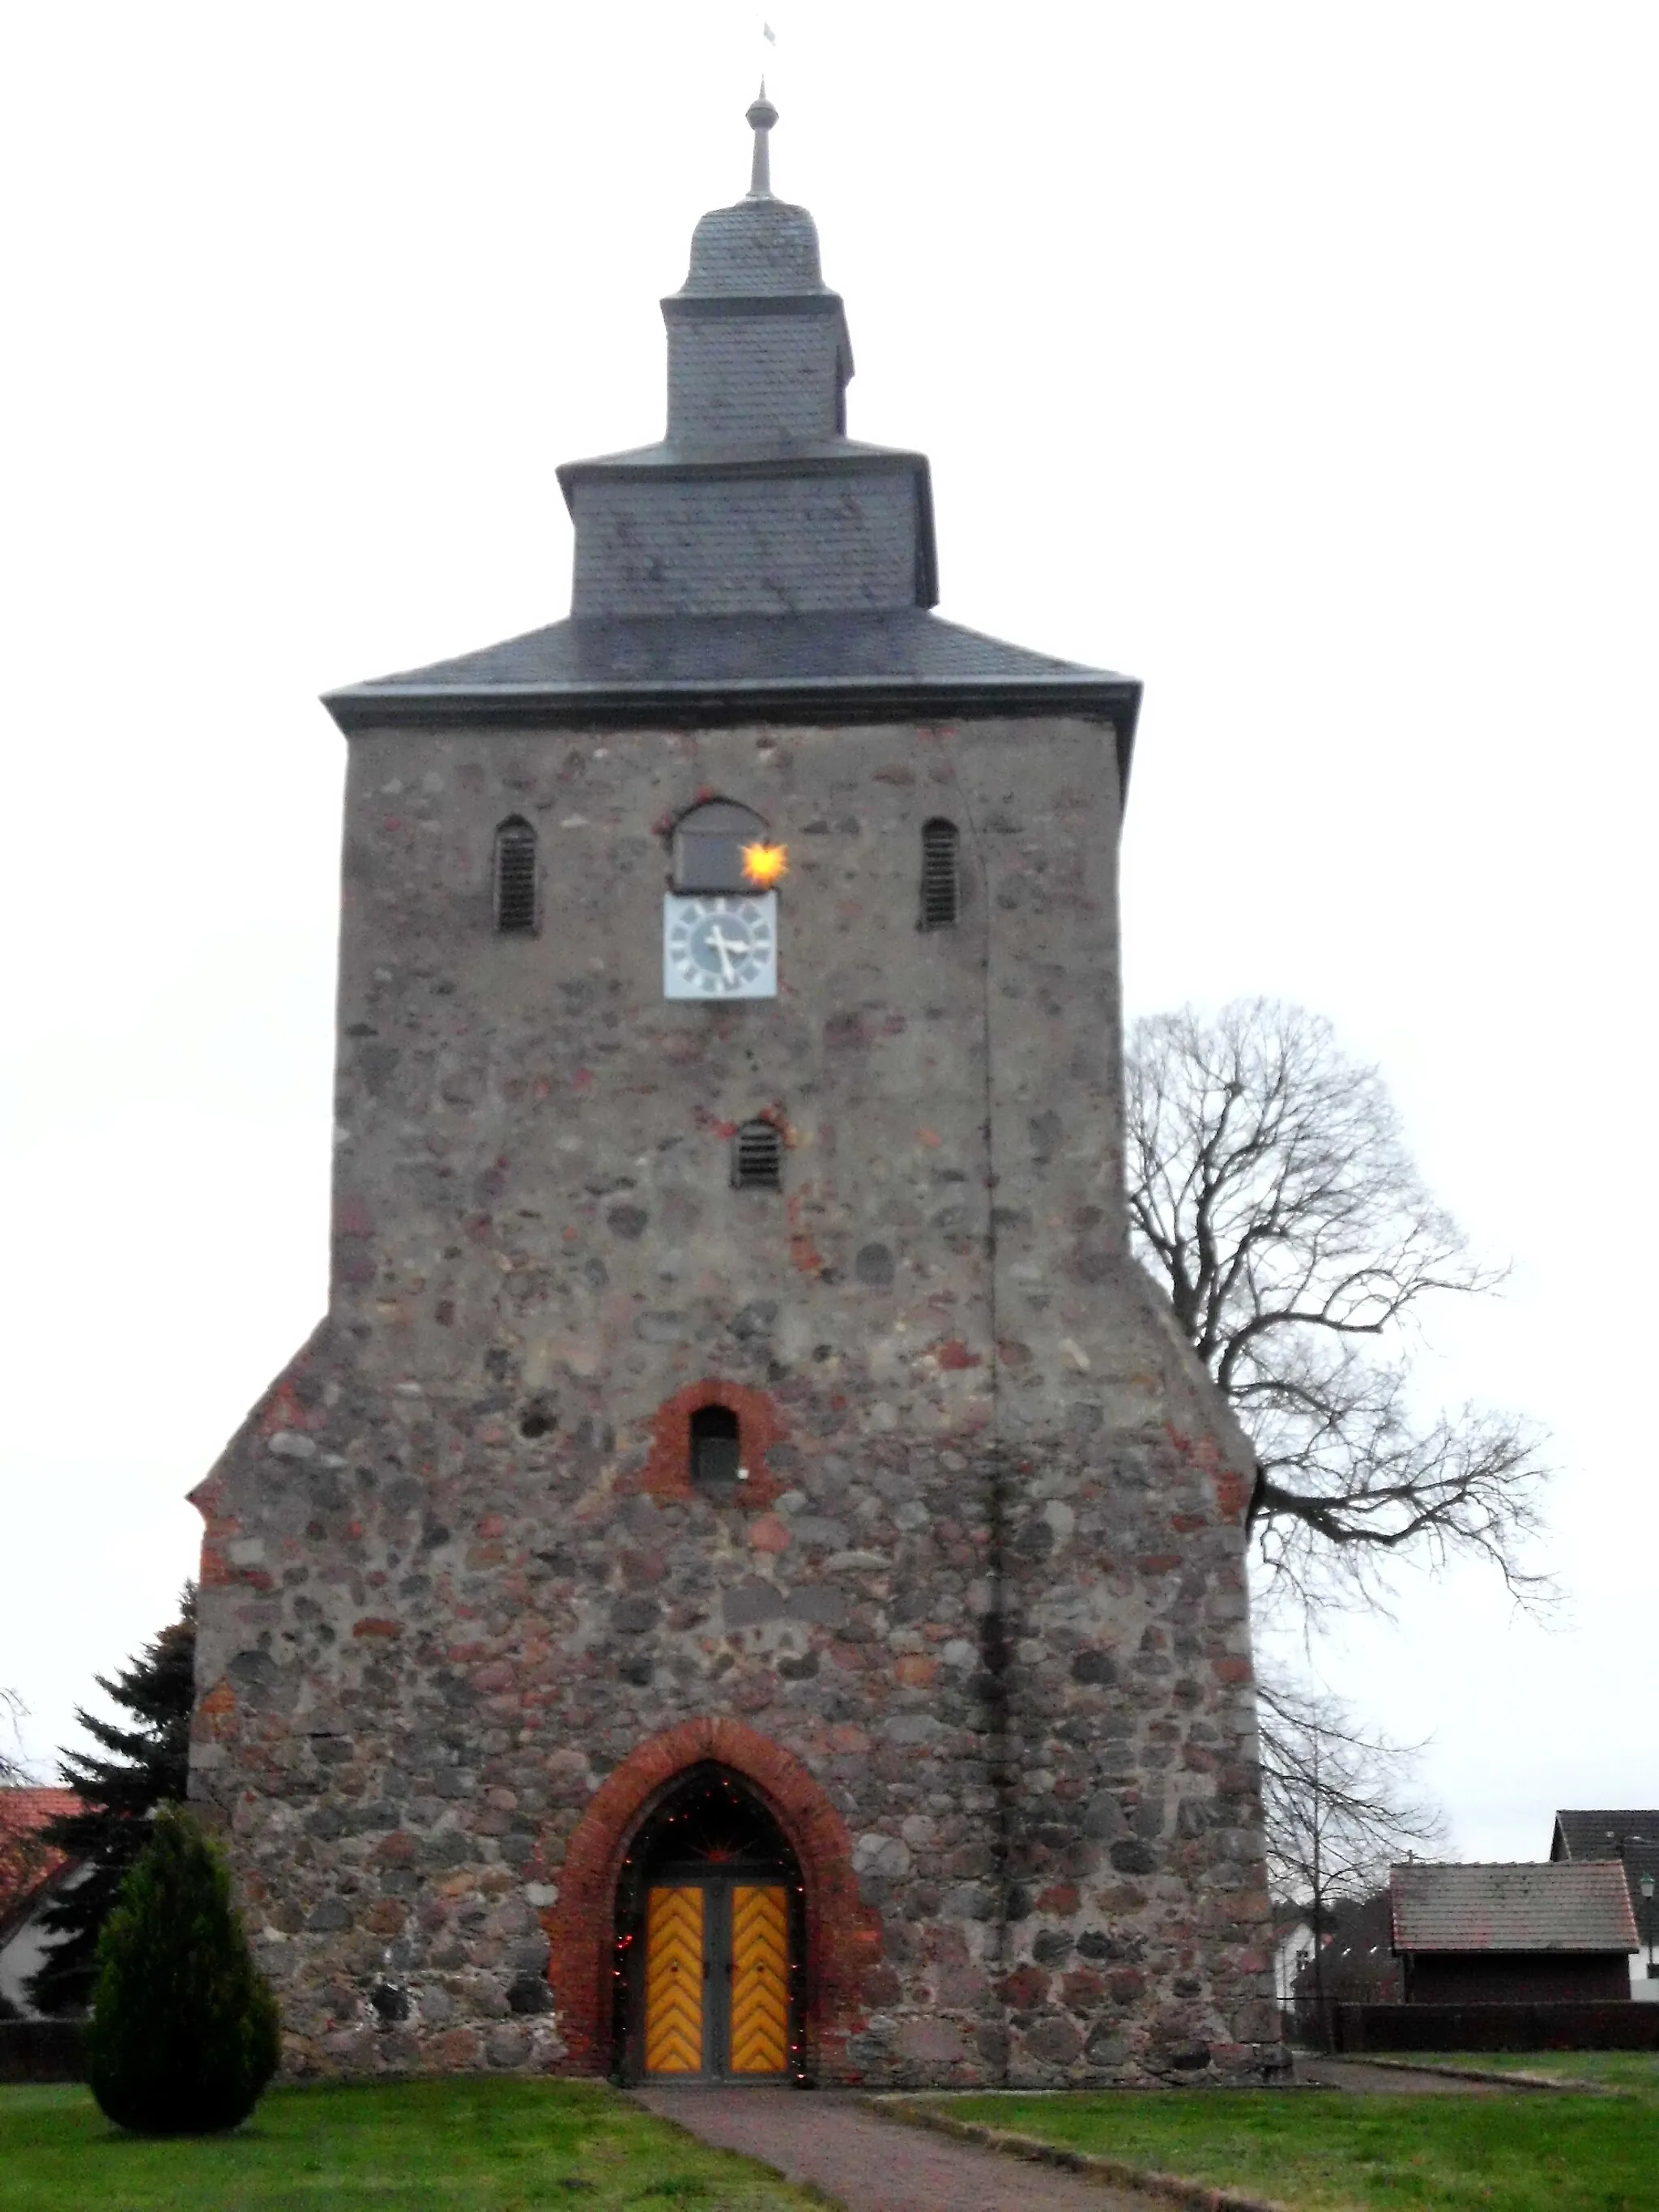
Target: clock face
x,y
719,948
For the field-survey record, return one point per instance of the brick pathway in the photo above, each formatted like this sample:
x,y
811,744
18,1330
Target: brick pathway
x,y
869,2165
828,2140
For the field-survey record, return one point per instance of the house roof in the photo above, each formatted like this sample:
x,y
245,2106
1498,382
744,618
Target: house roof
x,y
1530,1907
1601,1835
27,1864
1629,1835
1642,1859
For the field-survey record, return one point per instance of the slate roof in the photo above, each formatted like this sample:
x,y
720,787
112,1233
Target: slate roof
x,y
1599,1835
702,668
26,1865
1643,1859
755,501
1530,1907
1631,1835
756,563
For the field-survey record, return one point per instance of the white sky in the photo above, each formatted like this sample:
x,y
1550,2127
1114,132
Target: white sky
x,y
1300,360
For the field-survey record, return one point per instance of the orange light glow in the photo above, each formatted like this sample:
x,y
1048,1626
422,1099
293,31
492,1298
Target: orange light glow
x,y
765,865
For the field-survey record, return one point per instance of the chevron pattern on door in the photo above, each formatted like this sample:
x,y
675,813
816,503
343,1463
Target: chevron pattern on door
x,y
760,1979
674,1981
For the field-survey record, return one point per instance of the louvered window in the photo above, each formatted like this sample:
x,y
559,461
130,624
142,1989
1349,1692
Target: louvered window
x,y
941,877
757,1157
715,1448
515,877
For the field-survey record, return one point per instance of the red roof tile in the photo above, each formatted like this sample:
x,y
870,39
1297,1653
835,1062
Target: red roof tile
x,y
1564,1906
26,1863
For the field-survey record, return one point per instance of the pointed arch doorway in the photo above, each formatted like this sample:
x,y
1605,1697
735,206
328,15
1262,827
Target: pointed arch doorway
x,y
710,1936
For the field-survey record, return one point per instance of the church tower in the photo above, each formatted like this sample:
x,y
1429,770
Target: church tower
x,y
746,1580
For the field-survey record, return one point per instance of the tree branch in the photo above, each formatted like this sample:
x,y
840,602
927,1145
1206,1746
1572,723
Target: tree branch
x,y
1271,1194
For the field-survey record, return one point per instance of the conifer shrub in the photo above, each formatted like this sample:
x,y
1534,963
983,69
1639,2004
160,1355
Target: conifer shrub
x,y
183,2030
142,1762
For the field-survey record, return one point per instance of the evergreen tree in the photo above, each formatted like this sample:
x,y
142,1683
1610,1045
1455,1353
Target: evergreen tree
x,y
183,2030
147,1766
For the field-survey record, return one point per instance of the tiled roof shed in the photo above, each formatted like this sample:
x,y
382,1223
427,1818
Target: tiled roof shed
x,y
1561,1907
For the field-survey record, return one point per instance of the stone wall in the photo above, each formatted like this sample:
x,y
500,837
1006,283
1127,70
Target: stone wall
x,y
982,1600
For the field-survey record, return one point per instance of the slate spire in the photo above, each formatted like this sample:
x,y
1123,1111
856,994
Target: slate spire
x,y
758,354
755,501
755,559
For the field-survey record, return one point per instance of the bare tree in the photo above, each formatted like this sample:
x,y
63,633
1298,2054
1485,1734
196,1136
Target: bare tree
x,y
1271,1194
13,1771
21,1848
1338,1808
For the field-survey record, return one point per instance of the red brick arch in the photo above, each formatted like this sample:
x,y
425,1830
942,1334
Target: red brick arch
x,y
667,1470
844,1935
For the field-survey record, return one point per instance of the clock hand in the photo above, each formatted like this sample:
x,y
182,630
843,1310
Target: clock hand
x,y
717,939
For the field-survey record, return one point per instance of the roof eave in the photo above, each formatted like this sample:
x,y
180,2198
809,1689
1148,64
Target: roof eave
x,y
702,704
665,463
1608,1950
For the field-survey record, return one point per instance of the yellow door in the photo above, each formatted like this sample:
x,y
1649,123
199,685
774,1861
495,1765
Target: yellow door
x,y
674,1981
760,1979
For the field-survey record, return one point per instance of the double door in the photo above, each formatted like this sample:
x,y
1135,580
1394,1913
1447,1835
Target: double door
x,y
717,1982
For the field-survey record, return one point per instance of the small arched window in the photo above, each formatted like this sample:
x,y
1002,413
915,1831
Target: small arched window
x,y
715,1465
708,844
941,875
515,877
757,1156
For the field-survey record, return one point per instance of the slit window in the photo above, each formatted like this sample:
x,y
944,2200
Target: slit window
x,y
941,876
757,1157
714,1450
515,877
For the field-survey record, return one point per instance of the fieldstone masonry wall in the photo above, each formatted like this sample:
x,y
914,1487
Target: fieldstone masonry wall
x,y
977,1626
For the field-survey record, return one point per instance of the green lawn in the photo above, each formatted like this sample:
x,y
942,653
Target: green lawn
x,y
1325,2151
1637,2070
456,2146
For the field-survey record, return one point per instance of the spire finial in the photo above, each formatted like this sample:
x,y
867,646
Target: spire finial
x,y
760,116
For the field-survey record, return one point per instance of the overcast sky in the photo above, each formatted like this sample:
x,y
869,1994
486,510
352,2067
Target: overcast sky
x,y
1299,360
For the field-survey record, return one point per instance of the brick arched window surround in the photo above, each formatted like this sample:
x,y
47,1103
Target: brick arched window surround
x,y
844,1935
667,1470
